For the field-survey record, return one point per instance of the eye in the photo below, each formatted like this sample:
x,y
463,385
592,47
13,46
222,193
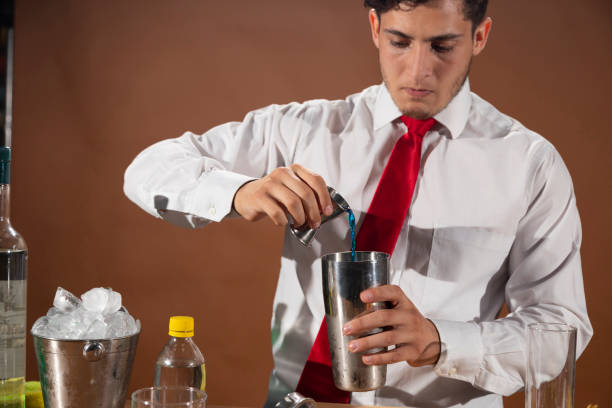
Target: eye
x,y
441,49
400,44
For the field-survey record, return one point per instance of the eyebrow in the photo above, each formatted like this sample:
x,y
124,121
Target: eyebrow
x,y
442,37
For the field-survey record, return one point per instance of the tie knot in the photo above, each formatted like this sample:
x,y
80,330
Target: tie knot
x,y
418,126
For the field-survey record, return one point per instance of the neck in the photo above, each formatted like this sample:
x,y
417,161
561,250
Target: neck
x,y
5,202
180,338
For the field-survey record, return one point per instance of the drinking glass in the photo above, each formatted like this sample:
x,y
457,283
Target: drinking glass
x,y
169,397
551,363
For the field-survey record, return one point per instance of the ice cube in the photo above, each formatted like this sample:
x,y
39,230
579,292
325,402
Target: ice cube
x,y
114,302
76,325
95,299
54,311
60,326
132,326
84,318
96,330
99,315
115,324
65,301
101,300
120,324
40,327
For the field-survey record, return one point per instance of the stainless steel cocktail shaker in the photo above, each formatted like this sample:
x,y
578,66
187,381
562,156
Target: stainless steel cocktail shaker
x,y
343,280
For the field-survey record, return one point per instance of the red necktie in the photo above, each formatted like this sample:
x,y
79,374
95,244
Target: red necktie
x,y
378,232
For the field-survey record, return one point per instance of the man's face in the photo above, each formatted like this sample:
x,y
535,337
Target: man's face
x,y
425,53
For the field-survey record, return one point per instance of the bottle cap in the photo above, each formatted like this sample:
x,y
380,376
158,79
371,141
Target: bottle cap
x,y
181,326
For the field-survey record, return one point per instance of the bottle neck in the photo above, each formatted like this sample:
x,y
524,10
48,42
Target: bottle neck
x,y
180,339
5,202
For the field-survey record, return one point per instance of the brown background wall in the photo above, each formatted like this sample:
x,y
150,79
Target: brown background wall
x,y
96,82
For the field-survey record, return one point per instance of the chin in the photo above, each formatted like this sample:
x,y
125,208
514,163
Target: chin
x,y
418,109
417,113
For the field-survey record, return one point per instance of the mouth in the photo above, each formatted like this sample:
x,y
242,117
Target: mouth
x,y
417,92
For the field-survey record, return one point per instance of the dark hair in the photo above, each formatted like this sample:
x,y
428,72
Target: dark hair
x,y
473,10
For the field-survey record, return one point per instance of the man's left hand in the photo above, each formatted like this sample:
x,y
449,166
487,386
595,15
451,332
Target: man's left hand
x,y
415,338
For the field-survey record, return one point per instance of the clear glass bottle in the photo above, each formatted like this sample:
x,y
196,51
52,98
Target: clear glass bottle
x,y
180,363
13,267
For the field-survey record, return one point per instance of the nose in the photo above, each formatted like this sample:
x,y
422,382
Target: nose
x,y
420,63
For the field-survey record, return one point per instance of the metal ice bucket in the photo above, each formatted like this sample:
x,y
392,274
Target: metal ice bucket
x,y
85,373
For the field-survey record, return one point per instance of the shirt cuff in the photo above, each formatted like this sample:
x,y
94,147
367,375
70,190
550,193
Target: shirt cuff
x,y
215,194
461,350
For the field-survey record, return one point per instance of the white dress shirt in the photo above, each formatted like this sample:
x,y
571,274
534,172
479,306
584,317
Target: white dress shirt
x,y
493,220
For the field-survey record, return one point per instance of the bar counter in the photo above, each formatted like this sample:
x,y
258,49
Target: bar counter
x,y
319,405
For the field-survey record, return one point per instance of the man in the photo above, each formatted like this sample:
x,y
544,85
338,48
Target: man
x,y
492,216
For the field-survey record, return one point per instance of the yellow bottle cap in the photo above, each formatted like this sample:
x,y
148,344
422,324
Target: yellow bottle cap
x,y
181,326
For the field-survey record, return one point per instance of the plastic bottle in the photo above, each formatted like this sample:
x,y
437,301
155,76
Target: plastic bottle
x,y
180,363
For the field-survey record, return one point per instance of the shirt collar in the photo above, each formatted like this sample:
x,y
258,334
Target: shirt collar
x,y
454,116
385,110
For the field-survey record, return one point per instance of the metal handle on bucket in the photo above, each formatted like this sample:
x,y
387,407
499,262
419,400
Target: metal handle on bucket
x,y
93,351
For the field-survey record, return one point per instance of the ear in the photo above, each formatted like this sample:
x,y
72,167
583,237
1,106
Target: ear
x,y
481,34
374,26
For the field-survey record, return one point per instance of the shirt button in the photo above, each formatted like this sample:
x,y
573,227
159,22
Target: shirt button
x,y
453,371
212,211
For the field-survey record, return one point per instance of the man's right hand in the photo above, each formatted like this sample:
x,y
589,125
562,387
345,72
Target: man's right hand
x,y
292,190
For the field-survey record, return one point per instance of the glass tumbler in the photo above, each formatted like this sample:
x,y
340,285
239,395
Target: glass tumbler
x,y
169,397
551,363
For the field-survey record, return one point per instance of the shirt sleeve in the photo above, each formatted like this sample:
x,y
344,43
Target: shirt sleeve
x,y
544,285
191,180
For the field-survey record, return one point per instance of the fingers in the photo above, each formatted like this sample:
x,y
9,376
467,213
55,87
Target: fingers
x,y
277,198
389,357
318,186
273,210
408,352
385,293
415,343
383,339
377,319
304,197
294,190
415,337
394,297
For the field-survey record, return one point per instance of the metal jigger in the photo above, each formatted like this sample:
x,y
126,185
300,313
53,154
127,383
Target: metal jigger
x,y
295,400
305,234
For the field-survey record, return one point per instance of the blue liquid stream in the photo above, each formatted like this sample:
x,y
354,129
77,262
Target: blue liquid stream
x,y
351,220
